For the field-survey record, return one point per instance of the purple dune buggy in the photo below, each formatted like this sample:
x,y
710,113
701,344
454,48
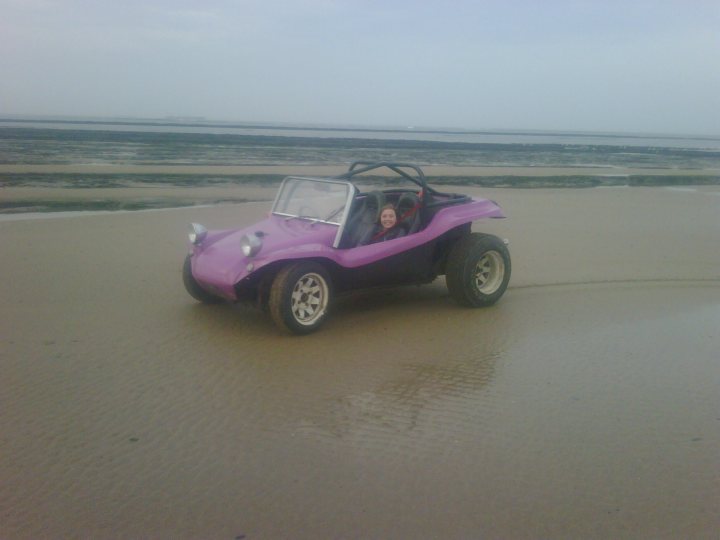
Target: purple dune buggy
x,y
321,240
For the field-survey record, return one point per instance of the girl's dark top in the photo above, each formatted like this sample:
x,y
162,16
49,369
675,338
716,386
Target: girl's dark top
x,y
378,235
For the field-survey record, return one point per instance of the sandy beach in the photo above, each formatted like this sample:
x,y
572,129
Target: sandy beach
x,y
584,405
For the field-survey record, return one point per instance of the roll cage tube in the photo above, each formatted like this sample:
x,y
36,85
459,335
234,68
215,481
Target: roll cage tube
x,y
420,180
396,167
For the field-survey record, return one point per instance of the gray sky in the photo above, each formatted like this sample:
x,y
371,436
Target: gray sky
x,y
603,65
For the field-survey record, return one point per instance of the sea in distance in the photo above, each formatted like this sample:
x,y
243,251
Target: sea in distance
x,y
194,141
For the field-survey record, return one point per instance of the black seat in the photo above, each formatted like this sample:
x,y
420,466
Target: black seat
x,y
361,225
408,210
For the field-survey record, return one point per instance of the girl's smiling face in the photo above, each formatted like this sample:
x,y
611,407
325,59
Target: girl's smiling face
x,y
388,218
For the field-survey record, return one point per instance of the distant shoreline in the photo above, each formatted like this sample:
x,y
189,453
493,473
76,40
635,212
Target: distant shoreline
x,y
330,170
200,123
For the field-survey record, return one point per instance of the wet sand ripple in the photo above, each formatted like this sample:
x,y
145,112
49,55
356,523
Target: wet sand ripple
x,y
584,404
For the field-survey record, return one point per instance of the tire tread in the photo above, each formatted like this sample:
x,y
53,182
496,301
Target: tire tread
x,y
462,258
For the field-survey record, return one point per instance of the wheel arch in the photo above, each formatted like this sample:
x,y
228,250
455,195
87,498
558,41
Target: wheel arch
x,y
256,286
445,243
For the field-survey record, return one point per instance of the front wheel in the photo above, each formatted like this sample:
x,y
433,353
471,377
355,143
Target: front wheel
x,y
300,297
478,270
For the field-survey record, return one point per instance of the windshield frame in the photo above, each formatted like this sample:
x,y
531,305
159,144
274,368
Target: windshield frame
x,y
352,192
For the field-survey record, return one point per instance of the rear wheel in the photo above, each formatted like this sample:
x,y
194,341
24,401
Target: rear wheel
x,y
300,297
192,286
478,270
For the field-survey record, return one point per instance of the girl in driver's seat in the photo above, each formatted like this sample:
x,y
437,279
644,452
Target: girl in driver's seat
x,y
388,227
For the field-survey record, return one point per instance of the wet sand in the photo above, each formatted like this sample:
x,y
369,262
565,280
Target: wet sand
x,y
584,405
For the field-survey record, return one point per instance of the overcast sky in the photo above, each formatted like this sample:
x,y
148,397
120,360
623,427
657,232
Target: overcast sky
x,y
603,65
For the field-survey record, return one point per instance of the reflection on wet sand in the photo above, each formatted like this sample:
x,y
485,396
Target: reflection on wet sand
x,y
404,406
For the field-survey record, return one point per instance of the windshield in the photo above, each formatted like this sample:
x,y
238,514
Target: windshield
x,y
317,200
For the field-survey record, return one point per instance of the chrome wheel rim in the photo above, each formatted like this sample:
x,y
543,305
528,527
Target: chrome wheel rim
x,y
489,272
309,299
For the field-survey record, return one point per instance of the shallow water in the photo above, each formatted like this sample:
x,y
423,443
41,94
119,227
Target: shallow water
x,y
437,134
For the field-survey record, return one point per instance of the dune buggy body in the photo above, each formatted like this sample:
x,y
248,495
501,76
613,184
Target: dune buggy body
x,y
321,239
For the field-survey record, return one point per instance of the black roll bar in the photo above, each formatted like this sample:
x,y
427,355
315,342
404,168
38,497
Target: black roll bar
x,y
365,166
396,167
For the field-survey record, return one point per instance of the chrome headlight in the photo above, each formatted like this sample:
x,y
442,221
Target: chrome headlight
x,y
250,244
197,233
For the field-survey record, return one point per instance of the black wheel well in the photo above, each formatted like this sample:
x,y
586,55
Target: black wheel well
x,y
445,244
256,287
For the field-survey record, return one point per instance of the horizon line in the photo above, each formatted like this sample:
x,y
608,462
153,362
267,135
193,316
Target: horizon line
x,y
203,122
